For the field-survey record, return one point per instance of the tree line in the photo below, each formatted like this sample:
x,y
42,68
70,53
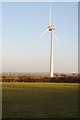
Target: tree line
x,y
63,79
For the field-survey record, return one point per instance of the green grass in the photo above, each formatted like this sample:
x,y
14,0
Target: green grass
x,y
40,100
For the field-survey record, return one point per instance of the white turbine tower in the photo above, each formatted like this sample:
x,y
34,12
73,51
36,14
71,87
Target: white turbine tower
x,y
50,28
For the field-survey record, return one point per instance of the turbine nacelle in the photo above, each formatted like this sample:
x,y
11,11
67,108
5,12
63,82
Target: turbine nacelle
x,y
51,28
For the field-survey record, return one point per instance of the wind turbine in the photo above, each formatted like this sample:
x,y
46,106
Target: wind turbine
x,y
50,28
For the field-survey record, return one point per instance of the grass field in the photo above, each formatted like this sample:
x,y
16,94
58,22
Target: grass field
x,y
40,100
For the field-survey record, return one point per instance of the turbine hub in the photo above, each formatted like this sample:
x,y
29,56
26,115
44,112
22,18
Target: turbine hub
x,y
51,28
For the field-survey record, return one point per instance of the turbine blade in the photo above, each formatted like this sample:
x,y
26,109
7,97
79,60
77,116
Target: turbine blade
x,y
43,33
50,16
56,37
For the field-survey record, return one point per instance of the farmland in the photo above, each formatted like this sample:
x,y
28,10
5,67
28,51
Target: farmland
x,y
39,100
